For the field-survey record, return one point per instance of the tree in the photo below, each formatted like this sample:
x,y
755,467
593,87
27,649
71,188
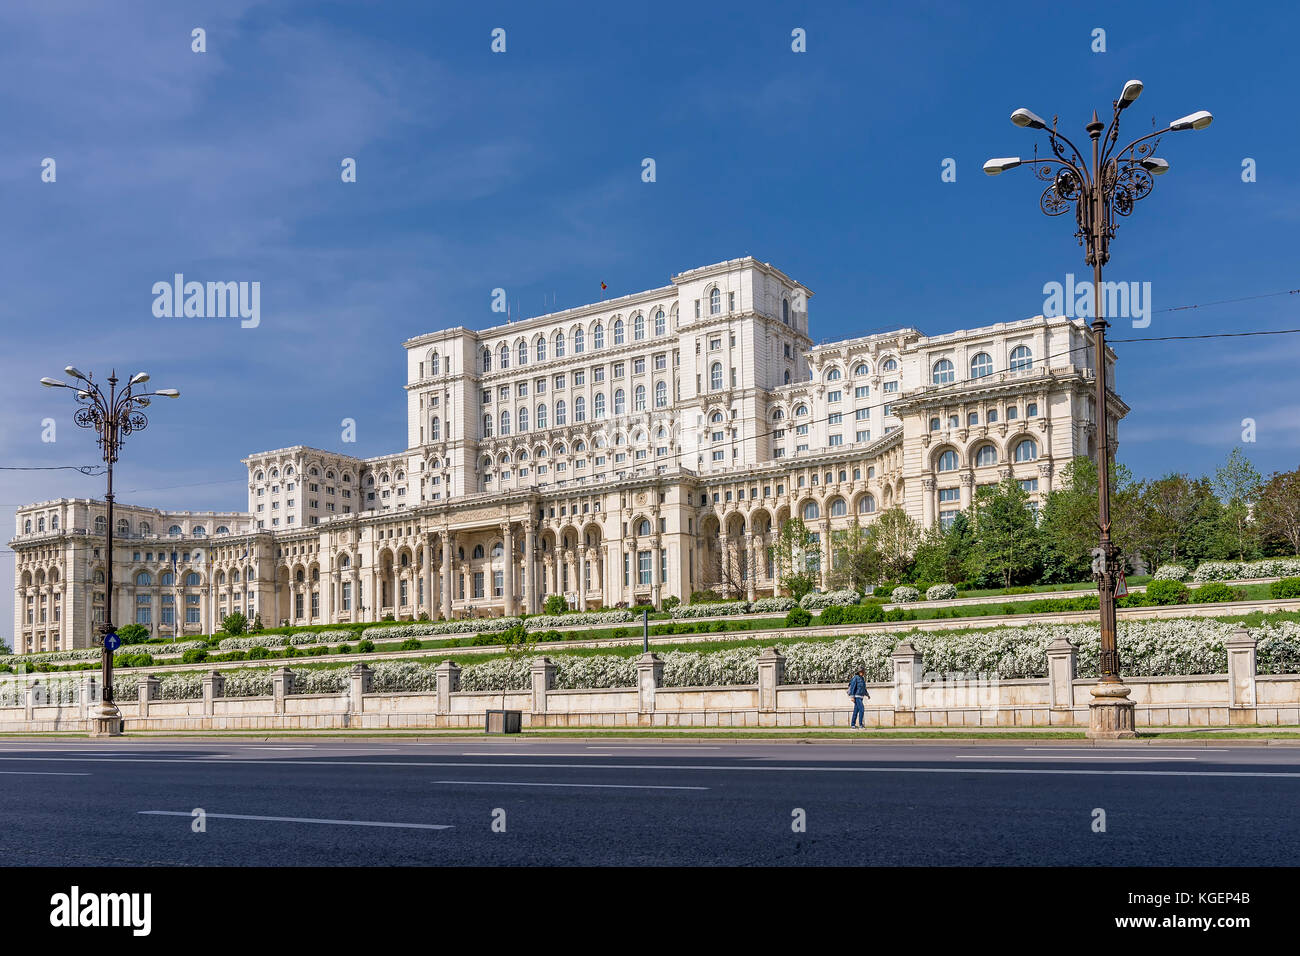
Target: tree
x,y
1237,484
896,536
797,558
943,552
1277,510
1006,533
234,623
133,633
855,559
1069,529
256,627
555,604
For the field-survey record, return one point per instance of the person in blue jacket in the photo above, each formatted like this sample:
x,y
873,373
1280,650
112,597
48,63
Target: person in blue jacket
x,y
858,690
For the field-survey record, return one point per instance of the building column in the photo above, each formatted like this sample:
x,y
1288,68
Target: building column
x,y
656,585
927,502
557,579
751,570
427,603
580,572
826,553
446,576
530,568
967,487
508,569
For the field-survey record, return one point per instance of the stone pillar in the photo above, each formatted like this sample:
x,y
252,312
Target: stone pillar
x,y
147,688
447,680
558,580
531,600
751,569
30,695
580,573
927,502
826,553
1062,668
656,580
967,483
429,606
508,571
771,674
543,673
214,686
649,676
1045,479
360,678
907,668
1241,673
281,687
1111,715
446,576
87,693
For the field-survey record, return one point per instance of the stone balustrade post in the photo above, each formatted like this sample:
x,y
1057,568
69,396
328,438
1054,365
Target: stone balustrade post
x,y
281,687
147,689
1241,672
907,668
30,694
649,677
214,686
543,673
360,680
87,694
1062,668
447,678
771,674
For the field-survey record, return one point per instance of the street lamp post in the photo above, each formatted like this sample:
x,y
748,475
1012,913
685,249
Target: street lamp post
x,y
1098,191
113,416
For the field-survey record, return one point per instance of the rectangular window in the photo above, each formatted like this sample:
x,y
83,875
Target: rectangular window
x,y
949,494
1029,484
834,418
862,391
347,595
498,584
478,584
837,440
863,436
890,387
643,567
834,396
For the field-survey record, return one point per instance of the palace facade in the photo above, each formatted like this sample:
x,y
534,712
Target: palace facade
x,y
615,453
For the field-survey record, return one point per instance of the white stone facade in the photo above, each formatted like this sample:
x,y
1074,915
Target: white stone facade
x,y
614,452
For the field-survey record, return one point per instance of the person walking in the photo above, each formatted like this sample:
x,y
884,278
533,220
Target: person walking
x,y
858,690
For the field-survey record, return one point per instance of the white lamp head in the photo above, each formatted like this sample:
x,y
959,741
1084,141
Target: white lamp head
x,y
53,383
1027,118
139,378
1198,120
1155,165
168,392
71,370
995,166
1132,90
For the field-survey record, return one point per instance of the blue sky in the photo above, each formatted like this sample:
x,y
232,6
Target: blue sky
x,y
522,170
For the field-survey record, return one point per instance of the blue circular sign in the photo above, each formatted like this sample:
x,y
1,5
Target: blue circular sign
x,y
112,641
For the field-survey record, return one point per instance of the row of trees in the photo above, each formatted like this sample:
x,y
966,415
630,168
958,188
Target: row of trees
x,y
1001,541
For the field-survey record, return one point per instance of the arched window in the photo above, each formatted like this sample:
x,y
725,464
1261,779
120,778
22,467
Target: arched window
x,y
811,511
715,418
503,356
579,341
981,365
866,505
505,423
948,461
199,531
639,399
559,345
54,522
638,327
787,377
435,364
643,528
715,301
943,373
40,523
800,411
620,402
497,549
987,455
123,526
143,579
839,508
174,531
1021,358
785,311
478,552
435,429
222,529
1027,450
523,419
523,353
487,367
561,413
599,405
660,325
27,526
345,561
715,376
541,416
579,409
861,370
598,336
834,375
661,394
540,348
890,365
101,524
778,415
618,331
487,425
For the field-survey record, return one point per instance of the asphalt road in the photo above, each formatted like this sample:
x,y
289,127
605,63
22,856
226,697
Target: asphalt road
x,y
631,802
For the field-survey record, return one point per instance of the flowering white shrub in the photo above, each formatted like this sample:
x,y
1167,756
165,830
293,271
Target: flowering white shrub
x,y
503,673
1170,572
249,683
1246,570
183,686
777,605
478,625
725,609
814,601
904,595
546,622
399,676
582,672
941,592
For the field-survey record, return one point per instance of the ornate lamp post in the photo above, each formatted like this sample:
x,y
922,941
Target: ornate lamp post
x,y
113,416
1099,191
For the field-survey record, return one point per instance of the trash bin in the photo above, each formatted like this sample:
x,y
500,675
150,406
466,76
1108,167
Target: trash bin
x,y
504,721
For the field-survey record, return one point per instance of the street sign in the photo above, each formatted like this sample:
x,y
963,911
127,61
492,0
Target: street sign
x,y
1121,586
112,641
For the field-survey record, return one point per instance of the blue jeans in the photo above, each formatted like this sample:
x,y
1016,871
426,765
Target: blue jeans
x,y
857,720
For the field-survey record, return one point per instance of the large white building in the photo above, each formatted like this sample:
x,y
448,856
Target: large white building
x,y
615,453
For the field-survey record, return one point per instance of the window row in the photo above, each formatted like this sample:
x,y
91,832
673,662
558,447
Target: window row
x,y
558,345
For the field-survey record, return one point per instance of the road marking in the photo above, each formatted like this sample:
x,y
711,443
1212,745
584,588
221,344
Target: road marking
x,y
251,747
745,768
44,773
1192,750
512,753
341,823
603,786
1051,757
